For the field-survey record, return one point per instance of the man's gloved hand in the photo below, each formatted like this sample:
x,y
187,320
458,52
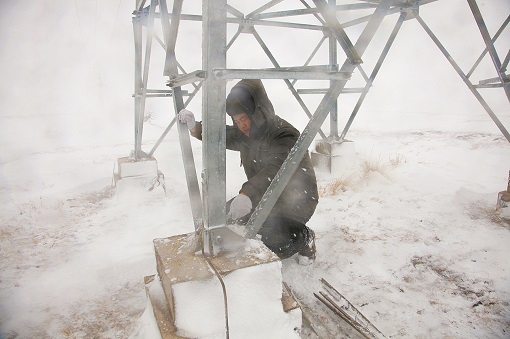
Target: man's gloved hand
x,y
240,206
187,117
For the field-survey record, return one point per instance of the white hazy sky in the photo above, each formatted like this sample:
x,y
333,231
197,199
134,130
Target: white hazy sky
x,y
67,72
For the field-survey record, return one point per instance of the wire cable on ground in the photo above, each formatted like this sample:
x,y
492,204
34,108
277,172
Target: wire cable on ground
x,y
220,279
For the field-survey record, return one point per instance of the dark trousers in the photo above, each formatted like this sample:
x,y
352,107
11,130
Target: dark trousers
x,y
282,235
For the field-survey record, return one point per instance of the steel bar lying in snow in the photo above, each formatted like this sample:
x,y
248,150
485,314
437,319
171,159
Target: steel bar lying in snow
x,y
336,302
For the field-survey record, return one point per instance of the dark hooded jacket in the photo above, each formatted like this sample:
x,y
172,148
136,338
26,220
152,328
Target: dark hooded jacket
x,y
263,153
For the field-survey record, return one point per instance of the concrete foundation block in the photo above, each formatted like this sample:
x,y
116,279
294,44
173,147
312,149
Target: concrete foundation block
x,y
194,295
503,200
138,174
337,158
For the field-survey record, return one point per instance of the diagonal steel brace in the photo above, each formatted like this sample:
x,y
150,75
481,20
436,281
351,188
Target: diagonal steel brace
x,y
297,152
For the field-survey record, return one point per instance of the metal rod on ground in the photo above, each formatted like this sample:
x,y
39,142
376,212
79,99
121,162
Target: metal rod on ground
x,y
490,46
300,148
377,67
340,297
463,76
287,81
496,36
347,311
339,312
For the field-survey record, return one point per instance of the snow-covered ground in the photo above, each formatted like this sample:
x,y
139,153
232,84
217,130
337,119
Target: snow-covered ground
x,y
412,239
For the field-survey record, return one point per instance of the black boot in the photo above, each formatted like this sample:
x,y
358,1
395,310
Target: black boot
x,y
306,255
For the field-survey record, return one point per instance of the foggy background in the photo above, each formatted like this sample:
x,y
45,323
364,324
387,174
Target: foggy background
x,y
67,70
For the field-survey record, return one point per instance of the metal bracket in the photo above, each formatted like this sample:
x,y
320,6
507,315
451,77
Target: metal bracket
x,y
186,79
410,7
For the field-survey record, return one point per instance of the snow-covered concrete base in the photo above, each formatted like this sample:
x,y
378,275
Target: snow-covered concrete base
x,y
336,157
137,174
257,308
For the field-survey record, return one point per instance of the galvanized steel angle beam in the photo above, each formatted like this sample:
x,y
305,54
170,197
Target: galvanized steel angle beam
x,y
317,16
490,46
263,8
137,34
214,36
504,65
170,35
393,10
496,36
375,71
337,31
464,78
287,81
308,11
297,152
278,74
333,61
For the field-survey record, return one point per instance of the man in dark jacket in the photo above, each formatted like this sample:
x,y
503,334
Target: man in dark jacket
x,y
264,141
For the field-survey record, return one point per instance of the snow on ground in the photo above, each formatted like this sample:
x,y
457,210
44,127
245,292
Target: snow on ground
x,y
412,240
